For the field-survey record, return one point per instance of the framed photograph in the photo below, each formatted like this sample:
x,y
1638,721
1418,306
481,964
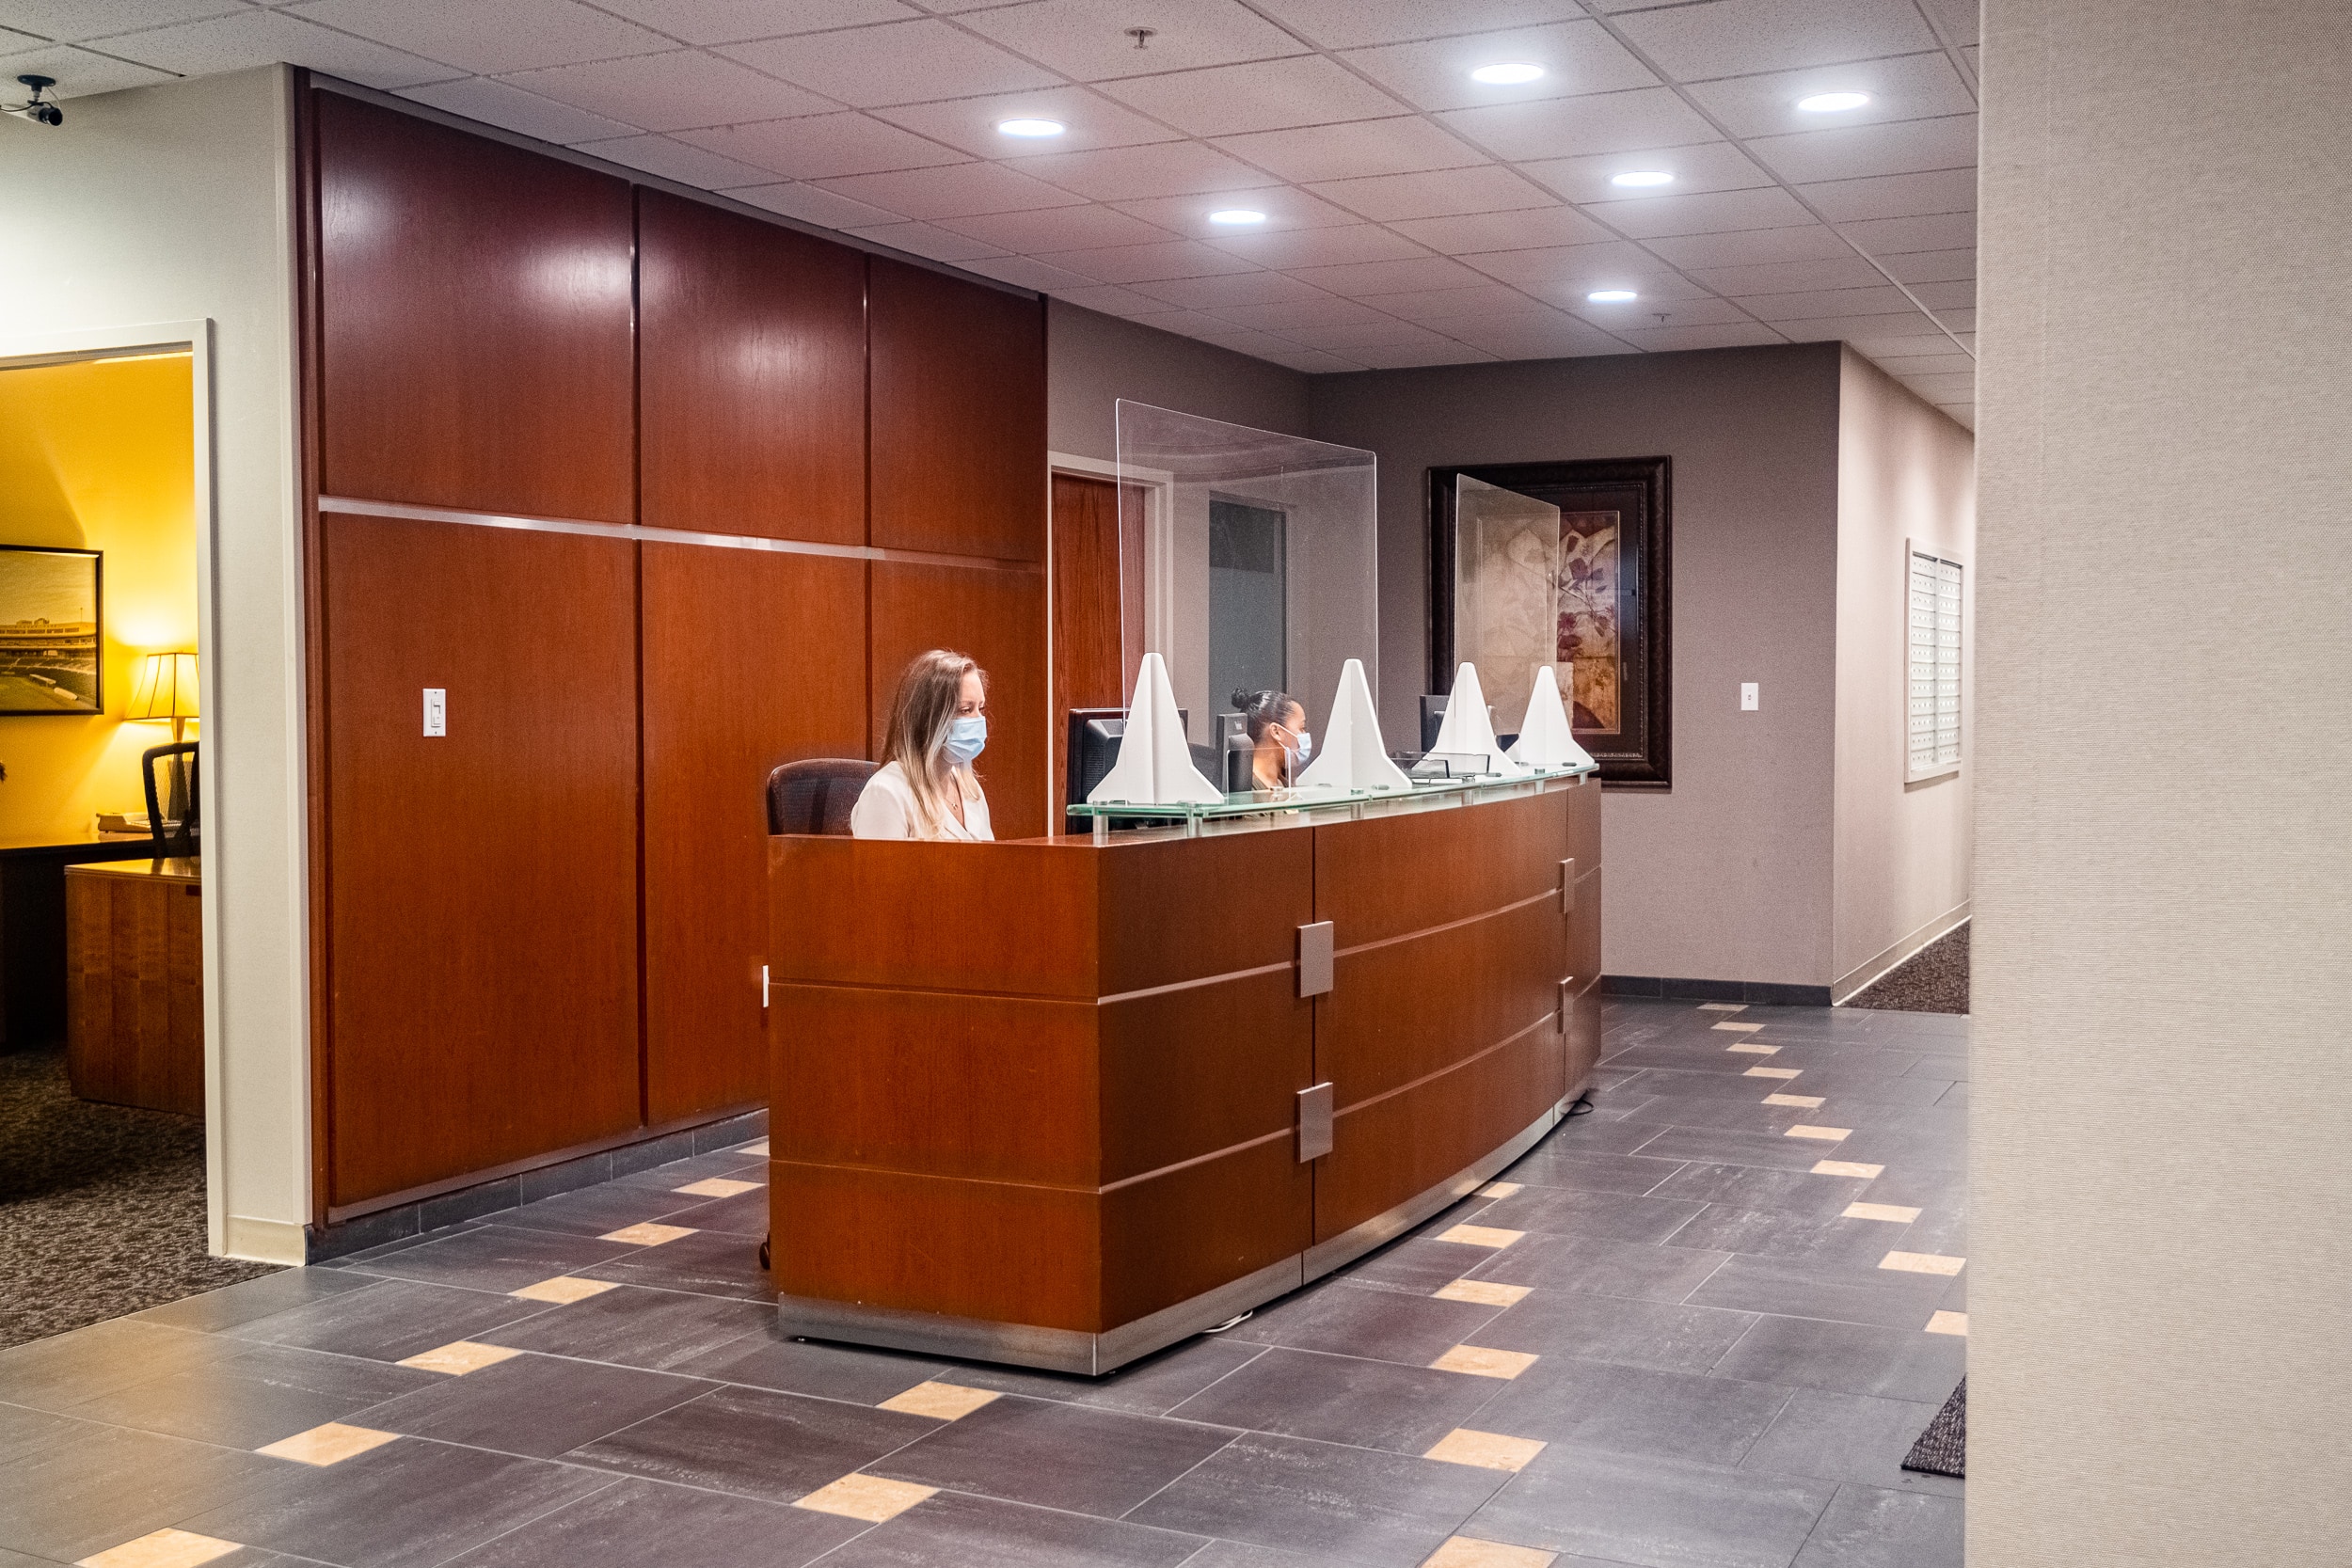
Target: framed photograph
x,y
1566,565
50,632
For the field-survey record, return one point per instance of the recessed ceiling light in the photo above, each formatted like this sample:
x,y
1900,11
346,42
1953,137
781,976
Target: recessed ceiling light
x,y
1611,296
1236,216
1833,103
1508,74
1641,178
1030,127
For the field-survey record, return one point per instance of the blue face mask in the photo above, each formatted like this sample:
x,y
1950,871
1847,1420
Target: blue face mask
x,y
967,737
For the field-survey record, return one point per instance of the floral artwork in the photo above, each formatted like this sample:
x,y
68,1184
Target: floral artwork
x,y
1591,641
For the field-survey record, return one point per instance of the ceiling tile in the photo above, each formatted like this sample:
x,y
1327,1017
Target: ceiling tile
x,y
1751,247
1261,95
1552,335
961,190
1284,207
79,72
1112,300
1407,356
513,34
1363,279
1028,272
1572,127
1059,228
970,123
1961,322
1441,307
1730,37
1321,310
1137,173
1592,266
1230,291
1909,87
819,147
734,20
1643,314
257,37
925,239
1576,58
675,160
72,21
1087,41
1773,277
1932,267
1718,166
526,114
1347,24
1940,388
1923,364
899,62
1957,18
1196,323
1904,148
1855,328
671,92
1714,212
1661,339
1894,195
1520,230
1817,304
1952,295
1894,236
1149,263
1406,144
1312,361
1441,193
1242,340
1314,247
810,205
1381,334
1905,340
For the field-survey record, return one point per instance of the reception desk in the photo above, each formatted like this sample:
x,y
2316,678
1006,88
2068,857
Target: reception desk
x,y
1061,1101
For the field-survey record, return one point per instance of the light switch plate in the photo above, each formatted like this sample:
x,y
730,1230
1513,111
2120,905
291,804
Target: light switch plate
x,y
1749,702
436,711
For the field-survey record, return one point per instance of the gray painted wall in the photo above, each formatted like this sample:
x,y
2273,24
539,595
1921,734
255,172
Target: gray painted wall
x,y
2159,1191
1093,360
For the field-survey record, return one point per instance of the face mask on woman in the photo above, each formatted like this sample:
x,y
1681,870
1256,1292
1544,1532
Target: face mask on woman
x,y
967,736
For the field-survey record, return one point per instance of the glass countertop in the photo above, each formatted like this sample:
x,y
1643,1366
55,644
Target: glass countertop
x,y
1279,808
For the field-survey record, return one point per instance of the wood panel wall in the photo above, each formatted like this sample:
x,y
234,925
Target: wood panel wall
x,y
577,866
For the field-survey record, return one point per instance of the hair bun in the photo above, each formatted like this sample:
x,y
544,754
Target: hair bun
x,y
1243,699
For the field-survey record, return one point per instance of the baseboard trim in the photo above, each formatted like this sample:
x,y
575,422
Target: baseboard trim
x,y
1872,970
263,1241
1757,994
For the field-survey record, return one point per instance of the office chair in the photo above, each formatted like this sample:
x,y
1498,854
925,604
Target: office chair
x,y
171,839
816,795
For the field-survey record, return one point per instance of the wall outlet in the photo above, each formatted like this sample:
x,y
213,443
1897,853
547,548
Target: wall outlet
x,y
436,711
1748,699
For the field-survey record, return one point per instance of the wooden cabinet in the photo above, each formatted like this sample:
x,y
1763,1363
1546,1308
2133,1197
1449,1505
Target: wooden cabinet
x,y
134,987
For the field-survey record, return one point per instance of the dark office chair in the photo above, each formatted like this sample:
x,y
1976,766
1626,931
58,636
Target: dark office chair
x,y
172,839
815,796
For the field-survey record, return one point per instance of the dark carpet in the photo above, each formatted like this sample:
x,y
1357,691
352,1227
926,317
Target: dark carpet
x,y
1932,980
1943,1448
102,1208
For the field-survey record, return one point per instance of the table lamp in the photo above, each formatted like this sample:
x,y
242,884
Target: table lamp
x,y
167,689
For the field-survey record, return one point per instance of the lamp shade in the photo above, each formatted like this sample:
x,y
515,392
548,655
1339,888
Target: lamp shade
x,y
166,687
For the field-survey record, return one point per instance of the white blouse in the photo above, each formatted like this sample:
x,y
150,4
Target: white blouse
x,y
885,809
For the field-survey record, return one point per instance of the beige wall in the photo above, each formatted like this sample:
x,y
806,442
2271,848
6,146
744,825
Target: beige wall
x,y
168,204
1905,471
1092,360
2161,1372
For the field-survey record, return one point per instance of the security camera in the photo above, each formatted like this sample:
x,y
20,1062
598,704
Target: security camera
x,y
35,108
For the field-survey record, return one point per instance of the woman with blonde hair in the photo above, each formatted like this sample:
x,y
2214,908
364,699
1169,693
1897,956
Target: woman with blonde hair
x,y
925,787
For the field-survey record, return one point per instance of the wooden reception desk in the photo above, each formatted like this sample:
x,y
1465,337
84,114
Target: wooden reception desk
x,y
1057,1103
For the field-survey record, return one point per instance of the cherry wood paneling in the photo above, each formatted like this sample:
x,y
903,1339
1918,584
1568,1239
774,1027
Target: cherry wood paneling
x,y
958,416
481,886
1179,909
752,658
134,995
1090,657
752,392
475,321
1187,1072
1493,853
998,618
1191,1231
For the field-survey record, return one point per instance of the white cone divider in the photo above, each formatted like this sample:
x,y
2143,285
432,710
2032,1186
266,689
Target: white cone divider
x,y
1154,766
1547,738
1353,755
1469,730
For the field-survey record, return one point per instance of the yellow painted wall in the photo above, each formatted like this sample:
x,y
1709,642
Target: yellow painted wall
x,y
99,455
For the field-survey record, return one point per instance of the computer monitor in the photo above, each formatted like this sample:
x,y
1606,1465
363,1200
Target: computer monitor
x,y
1095,734
1432,719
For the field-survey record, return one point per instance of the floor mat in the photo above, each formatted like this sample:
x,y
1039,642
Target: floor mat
x,y
1943,1448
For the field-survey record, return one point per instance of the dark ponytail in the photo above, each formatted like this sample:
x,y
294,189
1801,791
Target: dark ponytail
x,y
1261,708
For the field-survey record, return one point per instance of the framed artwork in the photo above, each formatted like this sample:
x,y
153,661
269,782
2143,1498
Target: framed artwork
x,y
50,630
1566,565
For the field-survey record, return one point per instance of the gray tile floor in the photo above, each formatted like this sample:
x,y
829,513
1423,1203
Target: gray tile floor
x,y
1661,1341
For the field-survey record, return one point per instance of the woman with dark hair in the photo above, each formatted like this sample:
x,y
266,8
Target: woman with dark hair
x,y
1280,744
925,787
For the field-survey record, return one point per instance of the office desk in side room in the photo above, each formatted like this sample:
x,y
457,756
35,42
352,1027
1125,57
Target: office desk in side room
x,y
134,955
32,928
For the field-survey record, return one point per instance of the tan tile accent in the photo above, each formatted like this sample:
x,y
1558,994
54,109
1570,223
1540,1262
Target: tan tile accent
x,y
1826,1135
759,1149
1922,1262
1751,1049
1464,1552
563,1291
1803,1102
1893,1212
1949,1323
1723,1006
164,1549
1485,1291
330,1444
1848,1168
458,1357
868,1497
1773,1072
648,1234
947,1402
1498,1188
1489,1450
1481,1235
716,1186
1478,1361
1741,1028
